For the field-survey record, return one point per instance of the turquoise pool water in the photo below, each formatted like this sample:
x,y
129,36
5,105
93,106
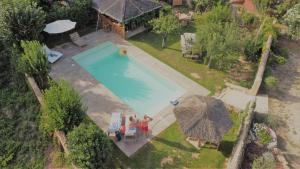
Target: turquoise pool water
x,y
144,90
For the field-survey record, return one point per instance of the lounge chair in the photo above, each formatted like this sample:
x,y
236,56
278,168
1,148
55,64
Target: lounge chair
x,y
129,132
77,40
115,123
52,55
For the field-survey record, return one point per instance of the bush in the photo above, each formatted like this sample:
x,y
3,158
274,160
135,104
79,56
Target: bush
x,y
24,19
266,161
280,60
248,18
34,62
166,10
291,18
270,82
77,10
262,134
204,5
62,109
252,50
89,147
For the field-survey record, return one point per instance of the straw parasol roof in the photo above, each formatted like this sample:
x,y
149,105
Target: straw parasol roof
x,y
203,118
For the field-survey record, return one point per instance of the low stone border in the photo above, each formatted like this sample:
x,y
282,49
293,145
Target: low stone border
x,y
237,155
58,134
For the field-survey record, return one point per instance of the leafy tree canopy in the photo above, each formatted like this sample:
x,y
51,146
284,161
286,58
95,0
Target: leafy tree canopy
x,y
165,25
89,147
204,5
25,19
76,10
62,109
219,38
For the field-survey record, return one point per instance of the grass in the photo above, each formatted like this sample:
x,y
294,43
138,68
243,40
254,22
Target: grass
x,y
171,142
151,43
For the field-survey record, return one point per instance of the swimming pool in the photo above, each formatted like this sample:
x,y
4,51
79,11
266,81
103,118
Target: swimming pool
x,y
144,90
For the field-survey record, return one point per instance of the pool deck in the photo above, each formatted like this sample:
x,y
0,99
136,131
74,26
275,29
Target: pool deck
x,y
101,102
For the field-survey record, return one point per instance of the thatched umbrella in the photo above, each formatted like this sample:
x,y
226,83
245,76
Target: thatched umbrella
x,y
203,118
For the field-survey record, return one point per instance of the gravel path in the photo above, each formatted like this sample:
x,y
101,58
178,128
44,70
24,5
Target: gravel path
x,y
284,104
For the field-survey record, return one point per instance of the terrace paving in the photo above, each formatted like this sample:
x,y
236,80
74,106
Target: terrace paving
x,y
101,102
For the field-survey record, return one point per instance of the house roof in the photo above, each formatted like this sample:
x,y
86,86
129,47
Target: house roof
x,y
124,10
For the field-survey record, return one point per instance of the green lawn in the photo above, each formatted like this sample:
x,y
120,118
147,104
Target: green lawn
x,y
171,142
151,43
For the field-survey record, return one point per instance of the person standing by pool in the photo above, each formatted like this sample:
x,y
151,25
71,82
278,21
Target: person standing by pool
x,y
145,123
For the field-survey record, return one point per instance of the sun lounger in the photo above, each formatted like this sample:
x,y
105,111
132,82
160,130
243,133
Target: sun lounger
x,y
52,55
77,40
129,132
115,123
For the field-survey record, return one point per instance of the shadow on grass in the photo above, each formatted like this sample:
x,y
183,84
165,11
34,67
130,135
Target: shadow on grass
x,y
146,157
226,147
155,40
175,145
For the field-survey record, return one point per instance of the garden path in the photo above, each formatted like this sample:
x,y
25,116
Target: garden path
x,y
285,103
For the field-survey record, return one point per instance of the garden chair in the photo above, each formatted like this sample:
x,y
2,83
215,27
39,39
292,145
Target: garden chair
x,y
129,132
115,122
77,40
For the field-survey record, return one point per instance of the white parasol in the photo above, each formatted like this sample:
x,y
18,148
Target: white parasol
x,y
59,26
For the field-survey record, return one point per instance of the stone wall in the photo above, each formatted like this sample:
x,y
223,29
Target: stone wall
x,y
237,155
262,66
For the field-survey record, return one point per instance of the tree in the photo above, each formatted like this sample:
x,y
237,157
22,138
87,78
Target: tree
x,y
62,109
24,19
33,61
292,19
219,38
204,5
165,25
77,10
89,147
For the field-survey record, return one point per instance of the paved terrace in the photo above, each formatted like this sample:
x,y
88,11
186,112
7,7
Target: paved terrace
x,y
101,102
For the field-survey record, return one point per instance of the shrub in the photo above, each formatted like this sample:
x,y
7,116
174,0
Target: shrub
x,y
262,134
248,18
62,110
280,60
252,50
166,10
89,147
291,18
34,62
204,5
24,19
266,161
270,82
77,10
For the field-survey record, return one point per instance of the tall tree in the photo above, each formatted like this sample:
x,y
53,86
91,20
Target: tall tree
x,y
165,25
24,19
219,38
